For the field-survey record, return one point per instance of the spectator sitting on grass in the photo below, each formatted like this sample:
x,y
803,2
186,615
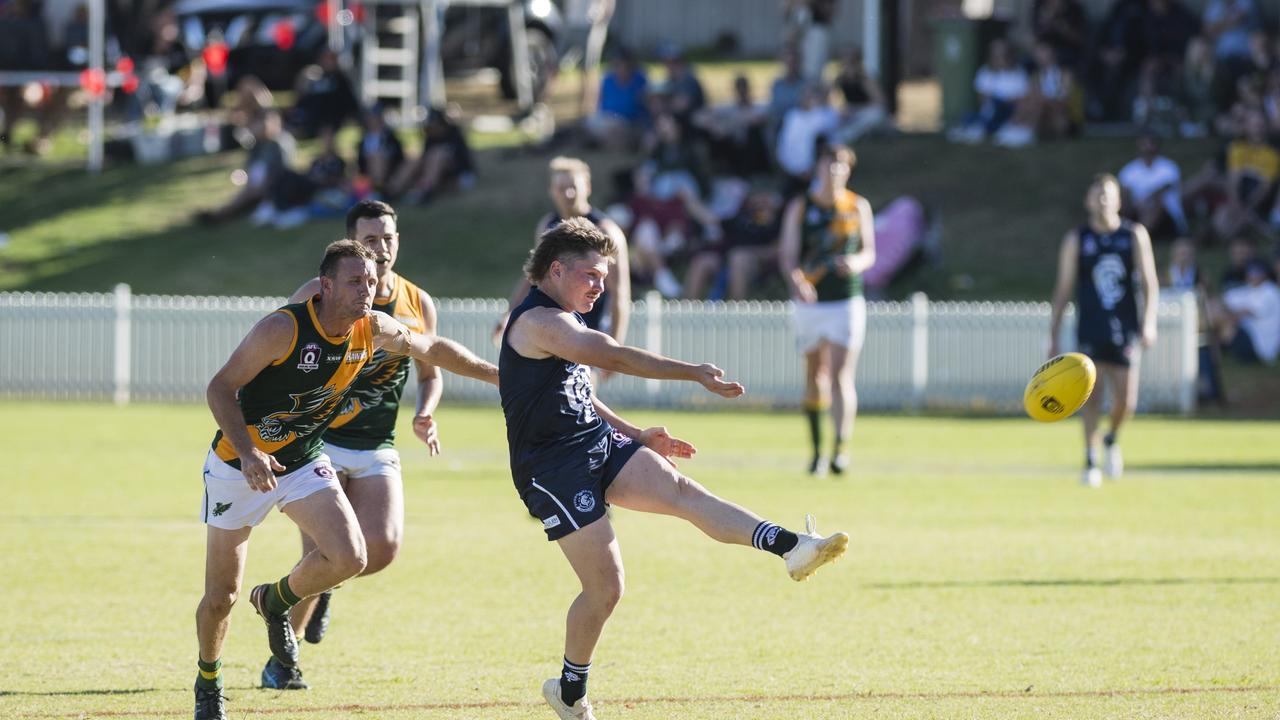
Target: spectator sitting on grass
x,y
1251,317
735,132
684,93
1228,25
325,98
1151,189
864,105
297,197
445,161
786,92
380,154
270,155
802,130
1045,111
1000,85
1253,167
750,243
622,115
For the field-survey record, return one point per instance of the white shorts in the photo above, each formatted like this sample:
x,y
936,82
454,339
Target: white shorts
x,y
839,322
230,504
356,464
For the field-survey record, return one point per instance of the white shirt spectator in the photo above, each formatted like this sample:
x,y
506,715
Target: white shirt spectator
x,y
800,131
1262,303
1006,85
1141,179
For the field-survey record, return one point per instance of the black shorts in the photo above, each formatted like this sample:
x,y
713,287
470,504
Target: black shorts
x,y
1109,352
571,496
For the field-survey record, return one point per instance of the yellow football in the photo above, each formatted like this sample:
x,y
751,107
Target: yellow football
x,y
1059,387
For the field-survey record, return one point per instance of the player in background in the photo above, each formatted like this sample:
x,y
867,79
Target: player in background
x,y
1109,265
361,440
571,455
570,191
272,400
828,241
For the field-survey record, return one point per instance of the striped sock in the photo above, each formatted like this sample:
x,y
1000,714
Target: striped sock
x,y
773,538
280,597
573,681
210,675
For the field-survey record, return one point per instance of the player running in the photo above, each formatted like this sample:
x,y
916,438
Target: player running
x,y
360,442
570,191
272,400
571,455
828,241
1107,261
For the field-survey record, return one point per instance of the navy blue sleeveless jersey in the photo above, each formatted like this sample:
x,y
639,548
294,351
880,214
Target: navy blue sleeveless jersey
x,y
598,317
551,420
1106,301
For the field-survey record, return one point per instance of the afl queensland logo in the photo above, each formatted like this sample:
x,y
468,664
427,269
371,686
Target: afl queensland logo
x,y
309,358
584,501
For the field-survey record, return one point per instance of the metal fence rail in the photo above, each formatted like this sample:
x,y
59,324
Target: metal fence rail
x,y
918,354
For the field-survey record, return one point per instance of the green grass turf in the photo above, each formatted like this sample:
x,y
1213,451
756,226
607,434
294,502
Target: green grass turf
x,y
982,581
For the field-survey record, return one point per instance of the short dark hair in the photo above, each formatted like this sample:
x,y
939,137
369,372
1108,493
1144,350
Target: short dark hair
x,y
573,238
342,249
367,209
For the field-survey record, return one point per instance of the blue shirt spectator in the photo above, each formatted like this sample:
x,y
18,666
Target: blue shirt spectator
x,y
1229,23
622,93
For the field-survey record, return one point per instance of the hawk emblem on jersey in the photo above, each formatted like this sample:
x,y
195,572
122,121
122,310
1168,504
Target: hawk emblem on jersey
x,y
309,358
310,411
584,501
219,508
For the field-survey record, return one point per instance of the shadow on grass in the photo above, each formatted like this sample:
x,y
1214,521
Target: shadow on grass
x,y
72,693
1220,466
1072,582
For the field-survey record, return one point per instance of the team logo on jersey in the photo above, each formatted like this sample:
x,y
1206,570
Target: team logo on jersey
x,y
324,471
620,440
577,392
309,358
219,508
1108,280
584,501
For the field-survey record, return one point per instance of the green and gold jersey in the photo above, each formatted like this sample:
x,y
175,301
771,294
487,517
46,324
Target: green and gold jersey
x,y
827,233
367,420
288,405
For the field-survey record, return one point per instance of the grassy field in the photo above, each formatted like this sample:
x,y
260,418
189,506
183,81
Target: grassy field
x,y
982,581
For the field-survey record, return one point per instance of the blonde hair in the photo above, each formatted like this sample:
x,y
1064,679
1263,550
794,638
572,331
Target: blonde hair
x,y
570,165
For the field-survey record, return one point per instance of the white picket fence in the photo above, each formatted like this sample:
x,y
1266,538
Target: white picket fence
x,y
959,356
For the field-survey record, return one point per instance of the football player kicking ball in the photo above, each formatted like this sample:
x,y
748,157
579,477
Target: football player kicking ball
x,y
571,455
272,400
361,440
1106,261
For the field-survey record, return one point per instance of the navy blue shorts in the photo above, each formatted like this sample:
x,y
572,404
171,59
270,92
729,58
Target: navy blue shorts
x,y
571,497
1109,352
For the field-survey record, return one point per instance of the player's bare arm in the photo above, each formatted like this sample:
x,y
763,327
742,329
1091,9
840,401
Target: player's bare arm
x,y
544,332
269,341
618,281
1063,288
430,386
1146,263
392,335
655,438
862,260
308,290
789,254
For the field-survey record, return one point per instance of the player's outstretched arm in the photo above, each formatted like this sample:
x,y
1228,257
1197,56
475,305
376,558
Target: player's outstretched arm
x,y
654,438
392,335
268,342
1063,288
557,333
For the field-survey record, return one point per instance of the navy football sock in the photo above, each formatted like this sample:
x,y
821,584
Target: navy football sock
x,y
573,681
773,538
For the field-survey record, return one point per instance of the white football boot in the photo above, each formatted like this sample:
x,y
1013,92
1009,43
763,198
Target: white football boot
x,y
812,551
580,710
1092,477
1113,461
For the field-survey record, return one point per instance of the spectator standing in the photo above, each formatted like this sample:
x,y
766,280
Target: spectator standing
x,y
1197,90
1000,84
810,23
1116,60
1064,26
1151,186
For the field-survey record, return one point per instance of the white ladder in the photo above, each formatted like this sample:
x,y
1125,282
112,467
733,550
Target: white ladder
x,y
389,55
